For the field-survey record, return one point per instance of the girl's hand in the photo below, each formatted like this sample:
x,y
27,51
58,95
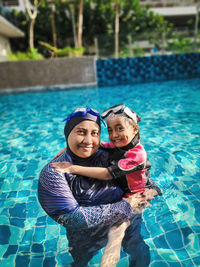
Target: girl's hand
x,y
63,167
59,153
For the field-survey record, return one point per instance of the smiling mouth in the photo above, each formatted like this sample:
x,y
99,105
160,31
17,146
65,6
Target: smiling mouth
x,y
117,140
86,148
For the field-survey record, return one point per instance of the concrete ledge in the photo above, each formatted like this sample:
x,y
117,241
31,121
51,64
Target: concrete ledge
x,y
68,72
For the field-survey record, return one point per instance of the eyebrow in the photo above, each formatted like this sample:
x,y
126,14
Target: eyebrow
x,y
119,124
82,128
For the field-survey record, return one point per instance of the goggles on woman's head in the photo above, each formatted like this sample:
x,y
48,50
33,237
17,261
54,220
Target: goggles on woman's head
x,y
120,109
79,112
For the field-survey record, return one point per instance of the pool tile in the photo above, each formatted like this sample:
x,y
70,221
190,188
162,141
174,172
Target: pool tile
x,y
4,234
41,220
174,238
22,260
159,264
196,260
12,249
49,261
24,193
51,245
160,242
37,248
17,222
37,262
64,259
39,234
175,210
8,262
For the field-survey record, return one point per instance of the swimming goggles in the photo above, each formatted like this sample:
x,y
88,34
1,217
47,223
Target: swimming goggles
x,y
119,109
83,111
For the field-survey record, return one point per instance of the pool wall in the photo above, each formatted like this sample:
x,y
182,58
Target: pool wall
x,y
145,69
69,72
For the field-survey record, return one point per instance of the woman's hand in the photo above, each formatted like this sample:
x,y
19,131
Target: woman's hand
x,y
59,153
140,201
62,166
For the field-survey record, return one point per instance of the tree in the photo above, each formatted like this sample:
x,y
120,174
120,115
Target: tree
x,y
32,15
196,25
53,25
80,23
116,28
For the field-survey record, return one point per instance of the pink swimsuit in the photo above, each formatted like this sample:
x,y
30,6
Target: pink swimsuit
x,y
133,168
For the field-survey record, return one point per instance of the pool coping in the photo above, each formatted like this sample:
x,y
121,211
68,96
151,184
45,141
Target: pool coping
x,y
57,87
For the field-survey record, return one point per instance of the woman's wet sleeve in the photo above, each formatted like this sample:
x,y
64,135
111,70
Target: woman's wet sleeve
x,y
102,215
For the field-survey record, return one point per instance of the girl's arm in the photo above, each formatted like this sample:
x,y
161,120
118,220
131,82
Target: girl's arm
x,y
92,172
59,153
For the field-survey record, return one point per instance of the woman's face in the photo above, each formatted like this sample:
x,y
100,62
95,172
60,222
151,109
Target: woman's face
x,y
84,139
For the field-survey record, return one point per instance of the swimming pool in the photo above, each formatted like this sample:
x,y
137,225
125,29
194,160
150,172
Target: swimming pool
x,y
31,134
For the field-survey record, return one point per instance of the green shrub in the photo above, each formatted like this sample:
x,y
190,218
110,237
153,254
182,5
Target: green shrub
x,y
63,52
29,55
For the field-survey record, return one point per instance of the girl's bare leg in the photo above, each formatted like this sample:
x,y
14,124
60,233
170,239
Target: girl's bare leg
x,y
116,233
112,250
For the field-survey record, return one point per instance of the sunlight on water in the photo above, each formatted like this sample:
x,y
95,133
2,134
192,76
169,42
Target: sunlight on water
x,y
32,133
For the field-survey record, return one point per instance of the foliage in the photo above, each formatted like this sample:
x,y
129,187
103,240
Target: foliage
x,y
29,55
137,52
98,22
64,52
179,44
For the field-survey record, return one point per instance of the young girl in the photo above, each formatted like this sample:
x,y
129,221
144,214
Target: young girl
x,y
129,167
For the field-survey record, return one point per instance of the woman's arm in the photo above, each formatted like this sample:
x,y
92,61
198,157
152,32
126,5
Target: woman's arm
x,y
92,172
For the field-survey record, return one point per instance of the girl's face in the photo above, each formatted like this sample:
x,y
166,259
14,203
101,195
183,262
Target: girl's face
x,y
120,131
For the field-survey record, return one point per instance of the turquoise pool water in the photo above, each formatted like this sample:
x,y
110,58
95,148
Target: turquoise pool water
x,y
32,132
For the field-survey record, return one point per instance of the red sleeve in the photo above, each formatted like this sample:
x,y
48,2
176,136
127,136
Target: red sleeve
x,y
107,144
134,157
135,160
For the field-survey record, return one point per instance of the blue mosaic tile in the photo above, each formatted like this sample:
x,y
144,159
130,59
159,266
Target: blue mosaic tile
x,y
22,260
174,238
41,220
17,222
144,69
196,260
24,249
27,236
160,242
37,262
12,194
176,264
49,261
19,210
159,264
64,259
39,234
12,249
4,234
24,193
37,248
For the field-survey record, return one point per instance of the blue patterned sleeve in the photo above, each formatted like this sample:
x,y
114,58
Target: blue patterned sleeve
x,y
93,216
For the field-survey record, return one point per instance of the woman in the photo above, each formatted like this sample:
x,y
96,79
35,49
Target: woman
x,y
88,207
